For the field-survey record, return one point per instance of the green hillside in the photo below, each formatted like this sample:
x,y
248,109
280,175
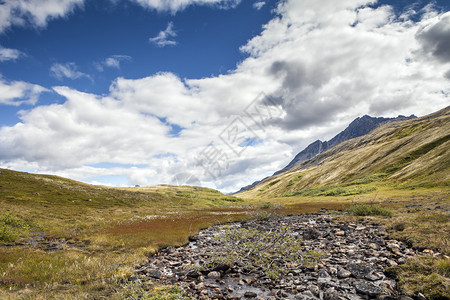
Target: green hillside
x,y
402,155
63,239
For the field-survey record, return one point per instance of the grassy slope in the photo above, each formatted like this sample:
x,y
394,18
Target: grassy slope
x,y
410,154
107,230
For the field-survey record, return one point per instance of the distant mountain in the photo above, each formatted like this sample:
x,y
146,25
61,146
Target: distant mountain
x,y
409,154
359,127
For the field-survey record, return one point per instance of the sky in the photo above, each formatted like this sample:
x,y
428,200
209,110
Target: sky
x,y
218,93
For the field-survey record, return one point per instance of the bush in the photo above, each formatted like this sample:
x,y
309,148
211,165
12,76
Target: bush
x,y
294,180
369,210
11,226
332,191
272,251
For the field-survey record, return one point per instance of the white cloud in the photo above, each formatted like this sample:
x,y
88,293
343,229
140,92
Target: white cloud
x,y
322,62
258,5
34,12
67,70
177,5
18,92
164,37
9,54
113,61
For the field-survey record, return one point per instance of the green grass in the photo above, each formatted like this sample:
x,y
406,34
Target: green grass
x,y
294,180
11,227
327,191
416,154
139,290
369,210
426,275
112,230
369,178
422,228
273,182
409,130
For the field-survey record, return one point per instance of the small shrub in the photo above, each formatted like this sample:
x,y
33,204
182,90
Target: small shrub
x,y
266,205
273,182
369,210
294,180
11,226
369,178
264,216
6,234
399,226
232,199
272,251
140,290
332,191
272,274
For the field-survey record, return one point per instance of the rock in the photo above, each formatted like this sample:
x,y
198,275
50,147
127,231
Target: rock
x,y
391,263
374,246
193,238
373,277
308,294
324,277
367,288
221,267
155,273
343,273
250,295
194,274
311,234
421,296
360,270
213,275
314,289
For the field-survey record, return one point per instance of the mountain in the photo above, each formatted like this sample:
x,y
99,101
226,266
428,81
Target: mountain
x,y
406,153
358,127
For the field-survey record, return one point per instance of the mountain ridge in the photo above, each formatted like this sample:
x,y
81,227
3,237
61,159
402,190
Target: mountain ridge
x,y
358,127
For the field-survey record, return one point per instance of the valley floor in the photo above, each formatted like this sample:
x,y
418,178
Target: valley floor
x,y
93,259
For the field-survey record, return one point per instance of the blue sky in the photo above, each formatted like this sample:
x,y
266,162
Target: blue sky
x,y
127,92
207,43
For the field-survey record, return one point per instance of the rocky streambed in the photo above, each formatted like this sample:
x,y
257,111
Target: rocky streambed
x,y
352,264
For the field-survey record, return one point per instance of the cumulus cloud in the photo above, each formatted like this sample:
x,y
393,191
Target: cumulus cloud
x,y
356,59
17,93
258,5
323,63
34,12
9,54
67,70
165,37
435,38
113,61
177,5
